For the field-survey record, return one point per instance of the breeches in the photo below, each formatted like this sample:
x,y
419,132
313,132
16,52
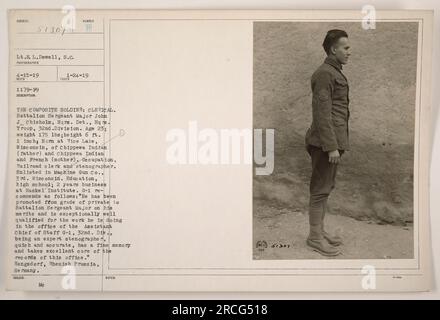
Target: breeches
x,y
322,182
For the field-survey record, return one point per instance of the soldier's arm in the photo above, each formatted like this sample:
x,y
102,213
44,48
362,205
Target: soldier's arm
x,y
321,109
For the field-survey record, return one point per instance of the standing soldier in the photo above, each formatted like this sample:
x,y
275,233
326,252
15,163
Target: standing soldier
x,y
327,138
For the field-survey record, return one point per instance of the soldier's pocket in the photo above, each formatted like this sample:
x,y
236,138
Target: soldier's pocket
x,y
341,88
340,126
341,82
339,123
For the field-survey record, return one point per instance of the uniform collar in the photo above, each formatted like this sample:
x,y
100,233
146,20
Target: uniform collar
x,y
333,62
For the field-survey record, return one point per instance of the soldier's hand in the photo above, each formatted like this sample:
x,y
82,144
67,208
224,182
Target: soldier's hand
x,y
334,156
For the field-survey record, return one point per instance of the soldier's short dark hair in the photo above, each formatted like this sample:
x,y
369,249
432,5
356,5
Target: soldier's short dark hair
x,y
332,37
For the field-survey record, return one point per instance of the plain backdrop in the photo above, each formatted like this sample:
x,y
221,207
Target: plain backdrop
x,y
375,179
226,4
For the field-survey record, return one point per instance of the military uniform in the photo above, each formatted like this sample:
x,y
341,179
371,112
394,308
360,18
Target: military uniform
x,y
329,128
328,132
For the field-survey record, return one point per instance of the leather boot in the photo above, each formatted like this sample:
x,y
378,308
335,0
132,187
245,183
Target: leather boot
x,y
319,244
334,240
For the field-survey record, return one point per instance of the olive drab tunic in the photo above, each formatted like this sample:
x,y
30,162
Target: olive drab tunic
x,y
330,112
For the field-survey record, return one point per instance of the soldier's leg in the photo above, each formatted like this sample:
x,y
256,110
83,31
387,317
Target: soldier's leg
x,y
321,184
331,185
332,239
315,207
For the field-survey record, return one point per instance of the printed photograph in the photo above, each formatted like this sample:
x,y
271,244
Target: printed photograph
x,y
341,99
